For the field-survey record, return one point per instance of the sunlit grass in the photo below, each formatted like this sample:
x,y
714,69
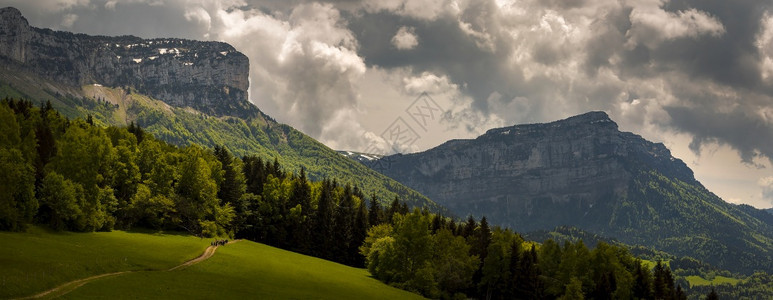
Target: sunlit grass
x,y
247,270
38,260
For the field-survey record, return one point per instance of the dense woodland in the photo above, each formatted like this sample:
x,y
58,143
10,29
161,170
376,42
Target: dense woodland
x,y
73,175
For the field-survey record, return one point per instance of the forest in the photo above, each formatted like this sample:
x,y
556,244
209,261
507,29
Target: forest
x,y
73,175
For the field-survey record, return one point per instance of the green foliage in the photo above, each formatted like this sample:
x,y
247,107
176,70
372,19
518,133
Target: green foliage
x,y
17,189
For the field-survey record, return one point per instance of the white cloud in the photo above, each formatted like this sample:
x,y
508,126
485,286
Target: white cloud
x,y
68,20
651,24
405,38
766,183
304,67
199,15
764,43
418,9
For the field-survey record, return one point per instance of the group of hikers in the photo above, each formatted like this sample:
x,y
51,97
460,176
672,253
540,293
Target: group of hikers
x,y
218,242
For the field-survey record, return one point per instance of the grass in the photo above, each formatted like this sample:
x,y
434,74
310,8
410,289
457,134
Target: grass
x,y
696,280
39,259
251,271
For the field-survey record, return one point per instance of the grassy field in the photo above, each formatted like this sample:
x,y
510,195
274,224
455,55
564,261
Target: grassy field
x,y
695,280
38,259
251,271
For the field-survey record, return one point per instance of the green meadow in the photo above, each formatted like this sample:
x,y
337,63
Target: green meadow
x,y
695,280
248,270
39,260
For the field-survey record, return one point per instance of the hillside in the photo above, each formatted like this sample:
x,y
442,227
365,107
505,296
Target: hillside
x,y
584,172
194,92
248,270
39,260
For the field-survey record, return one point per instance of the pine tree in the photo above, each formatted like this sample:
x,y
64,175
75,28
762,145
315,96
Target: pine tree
x,y
323,222
663,283
516,254
359,232
680,295
255,174
300,228
375,214
712,295
530,286
394,208
344,221
642,287
469,228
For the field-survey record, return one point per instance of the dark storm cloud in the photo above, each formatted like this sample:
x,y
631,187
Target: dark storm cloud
x,y
746,132
694,42
731,61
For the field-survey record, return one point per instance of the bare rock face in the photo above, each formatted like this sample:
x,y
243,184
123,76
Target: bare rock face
x,y
211,77
535,176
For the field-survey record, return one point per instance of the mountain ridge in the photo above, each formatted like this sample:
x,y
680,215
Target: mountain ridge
x,y
582,171
211,77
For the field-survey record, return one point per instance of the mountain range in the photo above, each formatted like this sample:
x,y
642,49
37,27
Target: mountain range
x,y
584,172
181,91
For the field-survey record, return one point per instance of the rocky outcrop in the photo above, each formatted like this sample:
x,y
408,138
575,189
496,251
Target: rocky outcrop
x,y
534,176
211,77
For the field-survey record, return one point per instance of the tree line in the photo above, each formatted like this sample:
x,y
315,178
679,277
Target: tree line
x,y
73,175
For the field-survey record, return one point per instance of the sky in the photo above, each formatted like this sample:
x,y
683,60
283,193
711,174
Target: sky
x,y
694,75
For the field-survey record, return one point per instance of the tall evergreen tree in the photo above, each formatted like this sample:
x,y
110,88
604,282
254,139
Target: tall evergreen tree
x,y
375,213
300,204
344,221
516,253
642,286
255,174
530,286
359,232
323,221
233,185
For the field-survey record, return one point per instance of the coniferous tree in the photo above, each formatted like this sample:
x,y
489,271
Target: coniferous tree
x,y
394,208
300,206
359,232
642,287
375,214
712,295
255,174
344,221
680,295
516,253
469,228
233,185
323,221
530,286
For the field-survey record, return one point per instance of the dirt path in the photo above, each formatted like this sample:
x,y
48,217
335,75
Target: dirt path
x,y
72,285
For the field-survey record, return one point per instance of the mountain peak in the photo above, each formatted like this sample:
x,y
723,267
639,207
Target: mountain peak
x,y
596,119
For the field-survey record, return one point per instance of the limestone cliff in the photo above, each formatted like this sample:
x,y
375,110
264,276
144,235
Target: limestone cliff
x,y
211,77
584,172
514,173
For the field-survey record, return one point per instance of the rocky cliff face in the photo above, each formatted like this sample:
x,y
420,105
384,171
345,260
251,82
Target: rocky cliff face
x,y
584,172
211,77
516,175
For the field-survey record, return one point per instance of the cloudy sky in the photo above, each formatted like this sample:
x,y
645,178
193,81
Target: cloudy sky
x,y
695,75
